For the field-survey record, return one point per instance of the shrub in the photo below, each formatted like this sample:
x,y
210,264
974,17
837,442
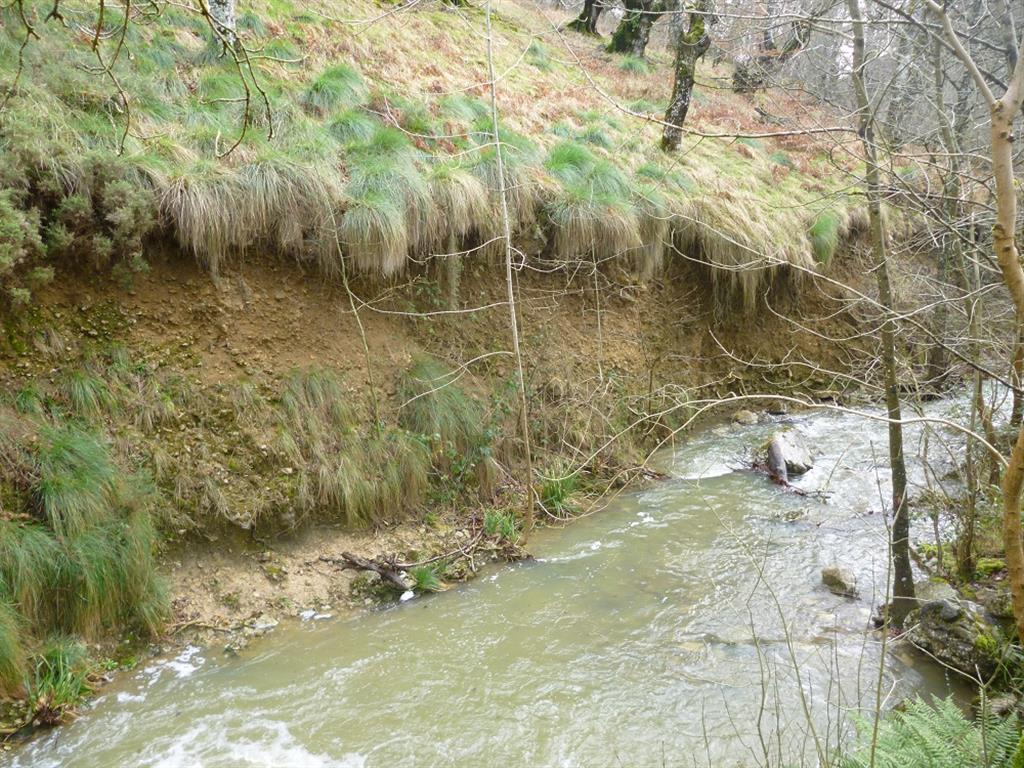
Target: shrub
x,y
21,250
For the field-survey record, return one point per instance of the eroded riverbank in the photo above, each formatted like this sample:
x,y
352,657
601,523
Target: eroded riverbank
x,y
685,619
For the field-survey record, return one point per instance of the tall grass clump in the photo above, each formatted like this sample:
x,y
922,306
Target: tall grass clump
x,y
462,207
825,235
634,65
436,406
501,524
591,211
76,479
337,86
520,158
12,650
60,679
78,550
555,493
340,471
221,212
389,202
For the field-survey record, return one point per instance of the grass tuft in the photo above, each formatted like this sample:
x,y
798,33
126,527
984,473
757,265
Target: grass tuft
x,y
501,524
634,65
825,235
337,86
435,406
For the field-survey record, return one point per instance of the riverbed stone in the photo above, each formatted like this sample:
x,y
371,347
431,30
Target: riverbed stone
x,y
793,449
958,633
745,417
839,581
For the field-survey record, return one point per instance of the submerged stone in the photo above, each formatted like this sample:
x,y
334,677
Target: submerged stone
x,y
745,417
839,581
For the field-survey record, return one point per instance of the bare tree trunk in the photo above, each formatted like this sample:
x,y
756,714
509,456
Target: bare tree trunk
x,y
586,22
223,14
692,43
754,73
903,577
506,231
1002,113
634,31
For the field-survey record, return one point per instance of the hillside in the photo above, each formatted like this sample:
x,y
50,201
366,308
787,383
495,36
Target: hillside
x,y
223,361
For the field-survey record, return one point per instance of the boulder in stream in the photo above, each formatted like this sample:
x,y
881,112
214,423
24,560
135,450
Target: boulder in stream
x,y
745,417
787,454
839,581
958,633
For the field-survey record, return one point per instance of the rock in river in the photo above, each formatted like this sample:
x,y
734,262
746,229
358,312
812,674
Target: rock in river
x,y
957,633
747,418
839,582
787,448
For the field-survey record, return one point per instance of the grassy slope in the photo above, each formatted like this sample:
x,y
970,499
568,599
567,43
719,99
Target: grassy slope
x,y
381,148
382,141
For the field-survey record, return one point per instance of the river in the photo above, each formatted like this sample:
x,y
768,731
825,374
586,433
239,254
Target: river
x,y
683,625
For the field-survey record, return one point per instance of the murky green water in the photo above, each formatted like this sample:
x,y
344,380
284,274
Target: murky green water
x,y
642,636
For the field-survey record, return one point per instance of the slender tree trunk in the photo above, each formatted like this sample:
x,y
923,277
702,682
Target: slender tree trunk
x,y
223,14
937,366
692,43
1017,379
1002,113
506,231
903,577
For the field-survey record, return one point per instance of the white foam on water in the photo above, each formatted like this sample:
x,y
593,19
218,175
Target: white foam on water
x,y
264,744
185,664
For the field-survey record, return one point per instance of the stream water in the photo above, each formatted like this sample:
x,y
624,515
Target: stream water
x,y
682,625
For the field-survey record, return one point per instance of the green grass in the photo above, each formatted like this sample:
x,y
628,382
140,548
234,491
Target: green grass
x,y
634,65
60,680
12,651
825,236
592,213
500,524
537,55
426,579
555,493
341,472
76,478
435,405
78,554
338,86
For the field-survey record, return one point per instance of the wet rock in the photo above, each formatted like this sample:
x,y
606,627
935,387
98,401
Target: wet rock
x,y
792,451
747,418
996,600
1003,704
957,633
262,624
777,407
839,581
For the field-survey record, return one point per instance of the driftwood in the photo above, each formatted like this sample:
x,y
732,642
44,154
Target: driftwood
x,y
390,572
